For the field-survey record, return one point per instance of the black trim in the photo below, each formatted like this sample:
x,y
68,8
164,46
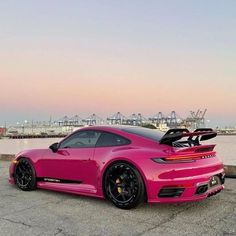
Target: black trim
x,y
161,160
60,181
170,192
201,189
173,135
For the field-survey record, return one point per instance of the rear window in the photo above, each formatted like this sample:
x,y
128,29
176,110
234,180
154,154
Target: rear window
x,y
145,132
110,139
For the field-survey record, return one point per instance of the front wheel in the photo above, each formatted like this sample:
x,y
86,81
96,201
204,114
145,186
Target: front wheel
x,y
123,185
24,174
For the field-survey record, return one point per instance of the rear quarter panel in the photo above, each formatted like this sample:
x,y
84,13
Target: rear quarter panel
x,y
138,156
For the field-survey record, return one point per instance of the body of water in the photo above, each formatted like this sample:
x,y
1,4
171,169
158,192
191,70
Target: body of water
x,y
225,146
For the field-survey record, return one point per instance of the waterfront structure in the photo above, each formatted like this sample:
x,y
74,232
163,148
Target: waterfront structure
x,y
169,120
196,119
93,120
66,124
117,119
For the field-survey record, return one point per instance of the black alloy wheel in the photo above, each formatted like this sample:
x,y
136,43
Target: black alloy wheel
x,y
123,185
24,174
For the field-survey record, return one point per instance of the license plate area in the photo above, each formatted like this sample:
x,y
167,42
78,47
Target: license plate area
x,y
214,181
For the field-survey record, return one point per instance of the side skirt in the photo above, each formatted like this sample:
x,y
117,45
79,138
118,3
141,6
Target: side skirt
x,y
53,180
75,187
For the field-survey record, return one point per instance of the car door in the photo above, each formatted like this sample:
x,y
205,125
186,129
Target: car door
x,y
105,150
73,162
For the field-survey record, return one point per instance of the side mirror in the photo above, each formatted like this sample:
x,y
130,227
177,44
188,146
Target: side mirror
x,y
54,147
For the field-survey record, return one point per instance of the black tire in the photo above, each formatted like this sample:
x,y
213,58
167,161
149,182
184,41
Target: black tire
x,y
123,185
24,175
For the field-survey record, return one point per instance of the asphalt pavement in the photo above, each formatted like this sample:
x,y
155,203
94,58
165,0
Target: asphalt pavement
x,y
42,212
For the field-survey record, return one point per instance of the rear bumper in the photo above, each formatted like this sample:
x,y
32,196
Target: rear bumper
x,y
175,184
188,193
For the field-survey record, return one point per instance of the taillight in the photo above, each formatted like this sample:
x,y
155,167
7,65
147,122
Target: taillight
x,y
184,157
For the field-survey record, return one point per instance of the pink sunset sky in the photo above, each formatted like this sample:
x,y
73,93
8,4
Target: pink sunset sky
x,y
80,57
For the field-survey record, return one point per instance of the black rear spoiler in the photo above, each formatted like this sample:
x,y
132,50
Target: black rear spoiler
x,y
201,134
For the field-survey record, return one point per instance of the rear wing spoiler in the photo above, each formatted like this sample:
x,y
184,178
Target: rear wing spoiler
x,y
202,134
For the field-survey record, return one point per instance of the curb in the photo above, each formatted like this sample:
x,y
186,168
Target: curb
x,y
6,157
230,170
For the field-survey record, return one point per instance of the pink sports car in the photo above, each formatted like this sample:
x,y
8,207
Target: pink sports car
x,y
125,164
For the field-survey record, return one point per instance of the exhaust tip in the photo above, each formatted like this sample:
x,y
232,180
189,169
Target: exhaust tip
x,y
202,189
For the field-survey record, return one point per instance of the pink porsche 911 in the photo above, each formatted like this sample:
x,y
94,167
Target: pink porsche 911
x,y
125,164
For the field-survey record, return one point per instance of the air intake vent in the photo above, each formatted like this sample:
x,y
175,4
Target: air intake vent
x,y
170,192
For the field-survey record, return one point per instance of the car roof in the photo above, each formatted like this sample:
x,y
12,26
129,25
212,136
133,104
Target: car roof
x,y
113,127
129,129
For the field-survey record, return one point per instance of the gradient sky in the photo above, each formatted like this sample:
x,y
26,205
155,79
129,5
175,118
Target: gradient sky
x,y
78,57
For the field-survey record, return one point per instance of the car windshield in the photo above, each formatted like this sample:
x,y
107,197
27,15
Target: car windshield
x,y
153,134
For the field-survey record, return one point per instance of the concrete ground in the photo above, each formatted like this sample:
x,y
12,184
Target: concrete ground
x,y
50,213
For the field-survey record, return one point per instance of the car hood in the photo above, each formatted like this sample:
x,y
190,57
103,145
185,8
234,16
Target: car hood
x,y
31,153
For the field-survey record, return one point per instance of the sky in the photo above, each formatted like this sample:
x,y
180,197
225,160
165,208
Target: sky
x,y
80,57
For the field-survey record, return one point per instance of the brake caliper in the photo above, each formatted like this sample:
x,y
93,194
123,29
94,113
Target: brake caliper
x,y
119,189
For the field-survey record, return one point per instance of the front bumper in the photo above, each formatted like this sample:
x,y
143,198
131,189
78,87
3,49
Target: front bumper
x,y
11,179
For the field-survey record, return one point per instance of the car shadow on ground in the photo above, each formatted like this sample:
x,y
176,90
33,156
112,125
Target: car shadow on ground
x,y
142,207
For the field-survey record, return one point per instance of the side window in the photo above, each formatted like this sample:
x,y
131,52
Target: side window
x,y
81,139
110,139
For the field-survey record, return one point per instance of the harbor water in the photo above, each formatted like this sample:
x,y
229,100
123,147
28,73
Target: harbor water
x,y
225,146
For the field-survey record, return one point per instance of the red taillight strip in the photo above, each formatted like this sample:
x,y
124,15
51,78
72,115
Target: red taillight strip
x,y
184,158
190,156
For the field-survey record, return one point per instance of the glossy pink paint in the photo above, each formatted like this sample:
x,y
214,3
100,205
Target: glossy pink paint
x,y
88,165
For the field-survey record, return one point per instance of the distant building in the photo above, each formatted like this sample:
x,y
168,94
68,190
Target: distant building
x,y
2,131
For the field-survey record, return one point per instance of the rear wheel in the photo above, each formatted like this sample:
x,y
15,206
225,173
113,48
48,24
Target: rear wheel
x,y
123,185
25,177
